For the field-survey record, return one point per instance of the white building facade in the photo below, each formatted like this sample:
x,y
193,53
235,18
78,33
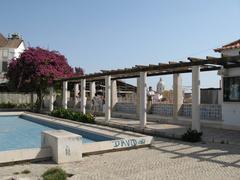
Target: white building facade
x,y
230,79
10,48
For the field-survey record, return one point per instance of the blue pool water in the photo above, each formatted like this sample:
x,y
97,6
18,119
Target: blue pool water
x,y
19,133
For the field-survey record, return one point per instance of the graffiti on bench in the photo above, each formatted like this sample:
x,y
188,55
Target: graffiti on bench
x,y
128,142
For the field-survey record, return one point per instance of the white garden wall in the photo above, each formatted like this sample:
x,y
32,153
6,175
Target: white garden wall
x,y
16,98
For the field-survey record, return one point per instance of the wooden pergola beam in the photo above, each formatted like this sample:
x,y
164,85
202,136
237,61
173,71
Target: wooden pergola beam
x,y
210,57
168,73
161,68
193,59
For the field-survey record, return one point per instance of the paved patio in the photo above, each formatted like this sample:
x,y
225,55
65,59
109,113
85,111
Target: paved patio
x,y
165,159
211,135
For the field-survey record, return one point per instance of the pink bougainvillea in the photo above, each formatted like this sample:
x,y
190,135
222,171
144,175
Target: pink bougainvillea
x,y
36,64
35,70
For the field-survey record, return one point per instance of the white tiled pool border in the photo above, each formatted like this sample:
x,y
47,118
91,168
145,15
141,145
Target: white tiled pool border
x,y
124,140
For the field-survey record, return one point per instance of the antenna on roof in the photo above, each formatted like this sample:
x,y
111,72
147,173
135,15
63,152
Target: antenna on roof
x,y
15,36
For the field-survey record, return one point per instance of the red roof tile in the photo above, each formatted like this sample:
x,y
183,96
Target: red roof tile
x,y
13,43
232,45
3,40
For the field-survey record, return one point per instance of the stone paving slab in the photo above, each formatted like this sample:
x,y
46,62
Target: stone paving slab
x,y
152,128
223,136
165,159
212,135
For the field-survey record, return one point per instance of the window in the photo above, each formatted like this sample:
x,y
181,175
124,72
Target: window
x,y
4,66
5,53
231,89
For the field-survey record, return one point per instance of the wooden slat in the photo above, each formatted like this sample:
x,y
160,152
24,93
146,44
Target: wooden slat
x,y
105,71
210,57
160,64
153,65
192,59
141,66
172,62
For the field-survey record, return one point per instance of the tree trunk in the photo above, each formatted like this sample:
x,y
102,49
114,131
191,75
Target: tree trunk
x,y
32,101
39,101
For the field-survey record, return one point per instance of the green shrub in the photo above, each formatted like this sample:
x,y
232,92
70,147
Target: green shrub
x,y
12,105
88,118
54,174
7,105
192,136
73,115
24,105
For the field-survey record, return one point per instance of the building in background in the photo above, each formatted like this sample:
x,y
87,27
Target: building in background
x,y
230,79
231,49
10,47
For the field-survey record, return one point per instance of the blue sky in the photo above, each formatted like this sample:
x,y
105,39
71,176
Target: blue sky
x,y
111,34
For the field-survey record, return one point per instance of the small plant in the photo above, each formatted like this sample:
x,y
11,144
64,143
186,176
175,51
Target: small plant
x,y
54,174
192,136
73,115
26,171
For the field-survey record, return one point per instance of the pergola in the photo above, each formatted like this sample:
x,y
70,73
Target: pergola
x,y
193,65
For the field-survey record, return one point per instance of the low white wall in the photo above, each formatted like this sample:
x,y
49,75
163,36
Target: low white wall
x,y
208,111
117,144
16,98
231,113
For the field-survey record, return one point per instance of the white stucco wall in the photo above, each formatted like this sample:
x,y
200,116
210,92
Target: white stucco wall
x,y
231,52
7,54
231,110
19,50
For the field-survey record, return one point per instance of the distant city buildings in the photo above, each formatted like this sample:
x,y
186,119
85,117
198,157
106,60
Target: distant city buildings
x,y
10,47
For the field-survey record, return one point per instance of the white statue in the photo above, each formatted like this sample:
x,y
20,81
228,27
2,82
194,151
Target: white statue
x,y
160,86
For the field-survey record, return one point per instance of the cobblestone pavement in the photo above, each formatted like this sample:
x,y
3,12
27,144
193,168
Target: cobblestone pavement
x,y
165,159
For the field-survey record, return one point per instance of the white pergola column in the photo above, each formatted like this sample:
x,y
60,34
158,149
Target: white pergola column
x,y
64,99
143,99
177,95
92,89
196,98
114,97
76,94
107,98
138,98
51,101
83,96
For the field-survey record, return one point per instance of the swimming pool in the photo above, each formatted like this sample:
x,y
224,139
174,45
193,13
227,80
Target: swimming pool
x,y
20,132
